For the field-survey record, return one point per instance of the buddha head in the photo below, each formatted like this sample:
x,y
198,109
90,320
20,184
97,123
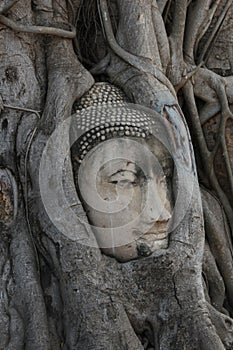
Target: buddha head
x,y
123,175
134,172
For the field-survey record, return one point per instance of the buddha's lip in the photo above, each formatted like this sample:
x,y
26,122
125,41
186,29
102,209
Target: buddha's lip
x,y
157,231
155,236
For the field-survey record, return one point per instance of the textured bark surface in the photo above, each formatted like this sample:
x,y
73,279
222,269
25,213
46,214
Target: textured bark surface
x,y
56,293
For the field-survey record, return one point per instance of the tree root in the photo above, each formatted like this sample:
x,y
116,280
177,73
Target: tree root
x,y
188,76
216,288
213,89
223,325
220,244
206,155
161,5
6,7
28,298
197,13
8,196
132,60
100,67
204,54
37,29
17,108
161,36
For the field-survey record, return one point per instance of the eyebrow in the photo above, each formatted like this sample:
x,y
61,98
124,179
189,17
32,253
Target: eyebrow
x,y
124,170
115,169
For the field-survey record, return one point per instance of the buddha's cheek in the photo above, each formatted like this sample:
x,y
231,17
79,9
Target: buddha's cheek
x,y
122,208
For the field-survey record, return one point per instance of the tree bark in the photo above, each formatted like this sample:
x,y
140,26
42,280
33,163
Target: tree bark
x,y
56,292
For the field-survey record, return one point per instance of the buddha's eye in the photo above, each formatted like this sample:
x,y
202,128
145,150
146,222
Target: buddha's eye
x,y
124,178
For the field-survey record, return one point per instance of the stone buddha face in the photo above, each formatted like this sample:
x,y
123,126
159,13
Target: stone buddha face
x,y
126,188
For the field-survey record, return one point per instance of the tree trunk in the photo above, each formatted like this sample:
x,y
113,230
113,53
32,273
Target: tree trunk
x,y
56,292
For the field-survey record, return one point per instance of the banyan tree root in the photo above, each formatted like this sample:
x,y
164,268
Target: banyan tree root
x,y
223,325
215,283
220,244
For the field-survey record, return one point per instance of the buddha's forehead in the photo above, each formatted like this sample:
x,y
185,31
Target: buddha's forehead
x,y
130,154
129,145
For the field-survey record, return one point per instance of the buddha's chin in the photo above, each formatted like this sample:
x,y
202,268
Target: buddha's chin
x,y
147,247
142,247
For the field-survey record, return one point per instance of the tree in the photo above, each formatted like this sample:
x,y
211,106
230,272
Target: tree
x,y
54,293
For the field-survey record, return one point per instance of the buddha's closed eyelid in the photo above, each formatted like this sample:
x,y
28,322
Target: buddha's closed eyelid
x,y
122,171
123,176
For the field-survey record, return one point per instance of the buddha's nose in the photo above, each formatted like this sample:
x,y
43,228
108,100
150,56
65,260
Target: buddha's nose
x,y
157,204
